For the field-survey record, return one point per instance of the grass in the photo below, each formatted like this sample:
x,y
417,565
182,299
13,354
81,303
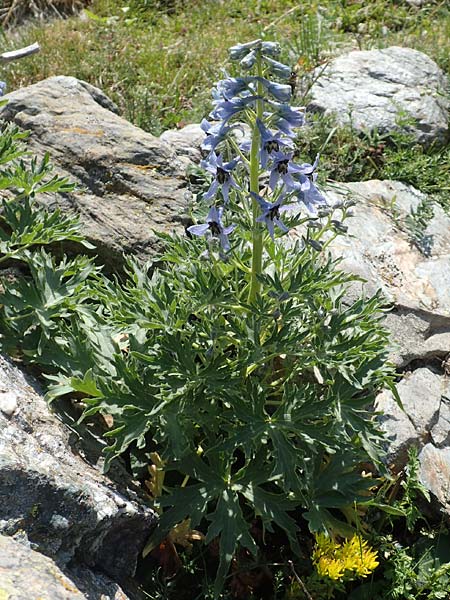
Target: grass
x,y
177,51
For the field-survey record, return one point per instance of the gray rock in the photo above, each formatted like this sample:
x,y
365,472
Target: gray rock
x,y
133,182
435,474
425,424
186,141
8,403
420,392
379,88
380,249
63,506
28,575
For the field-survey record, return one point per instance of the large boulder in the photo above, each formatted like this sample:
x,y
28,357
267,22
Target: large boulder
x,y
54,496
381,89
131,183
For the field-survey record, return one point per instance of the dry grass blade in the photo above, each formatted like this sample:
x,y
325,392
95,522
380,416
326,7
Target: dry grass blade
x,y
14,12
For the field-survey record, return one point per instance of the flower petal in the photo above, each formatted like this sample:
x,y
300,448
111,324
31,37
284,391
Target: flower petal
x,y
198,229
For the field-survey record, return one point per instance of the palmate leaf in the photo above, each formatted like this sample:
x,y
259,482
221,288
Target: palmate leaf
x,y
336,484
11,137
50,294
223,499
299,427
30,180
25,226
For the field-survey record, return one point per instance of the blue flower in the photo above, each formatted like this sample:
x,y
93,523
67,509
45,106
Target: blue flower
x,y
214,227
230,87
285,118
249,60
279,91
271,213
278,69
214,134
225,109
222,176
2,88
270,142
283,167
312,199
305,189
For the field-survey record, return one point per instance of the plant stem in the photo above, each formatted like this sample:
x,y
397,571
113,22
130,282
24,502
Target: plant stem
x,y
257,250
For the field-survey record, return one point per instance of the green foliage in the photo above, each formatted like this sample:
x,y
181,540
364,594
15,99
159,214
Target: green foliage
x,y
262,409
421,571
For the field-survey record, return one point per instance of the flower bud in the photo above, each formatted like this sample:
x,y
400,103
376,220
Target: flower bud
x,y
249,60
278,69
270,49
240,50
280,91
315,244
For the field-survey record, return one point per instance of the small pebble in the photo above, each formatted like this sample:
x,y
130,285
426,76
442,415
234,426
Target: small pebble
x,y
8,403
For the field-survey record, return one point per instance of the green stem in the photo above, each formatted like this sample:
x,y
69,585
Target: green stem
x,y
257,250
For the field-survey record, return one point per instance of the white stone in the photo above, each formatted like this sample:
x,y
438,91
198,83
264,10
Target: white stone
x,y
8,403
379,88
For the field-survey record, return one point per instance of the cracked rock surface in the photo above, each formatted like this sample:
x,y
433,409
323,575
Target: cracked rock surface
x,y
53,499
29,575
378,89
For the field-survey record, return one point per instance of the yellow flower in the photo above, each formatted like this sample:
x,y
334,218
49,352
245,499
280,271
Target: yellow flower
x,y
330,567
339,561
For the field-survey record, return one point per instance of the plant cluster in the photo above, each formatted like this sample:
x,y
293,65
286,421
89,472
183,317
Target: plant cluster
x,y
243,368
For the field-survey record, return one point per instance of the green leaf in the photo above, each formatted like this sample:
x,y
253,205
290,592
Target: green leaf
x,y
228,523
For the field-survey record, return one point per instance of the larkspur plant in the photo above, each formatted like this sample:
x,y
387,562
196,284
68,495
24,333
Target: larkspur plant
x,y
239,366
267,377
